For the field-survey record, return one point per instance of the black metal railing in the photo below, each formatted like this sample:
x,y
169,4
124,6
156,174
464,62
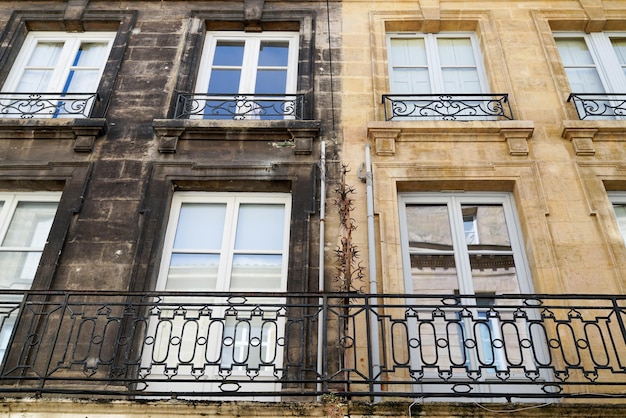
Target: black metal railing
x,y
240,106
46,105
463,107
284,346
599,105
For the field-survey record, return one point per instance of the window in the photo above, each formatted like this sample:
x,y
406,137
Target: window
x,y
435,64
594,62
222,242
467,245
56,74
25,221
248,76
619,207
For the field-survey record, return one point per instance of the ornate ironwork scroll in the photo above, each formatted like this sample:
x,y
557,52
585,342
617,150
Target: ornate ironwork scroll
x,y
263,346
446,107
240,106
599,105
46,105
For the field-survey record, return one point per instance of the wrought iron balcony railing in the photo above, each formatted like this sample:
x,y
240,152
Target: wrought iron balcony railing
x,y
240,106
462,107
46,105
286,346
599,105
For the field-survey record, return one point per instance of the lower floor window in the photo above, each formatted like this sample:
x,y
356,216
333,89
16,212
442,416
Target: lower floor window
x,y
221,242
467,246
25,222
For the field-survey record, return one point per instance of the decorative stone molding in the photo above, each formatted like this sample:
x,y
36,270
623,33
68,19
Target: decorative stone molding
x,y
597,16
74,14
517,140
298,134
384,140
581,139
584,134
515,133
84,132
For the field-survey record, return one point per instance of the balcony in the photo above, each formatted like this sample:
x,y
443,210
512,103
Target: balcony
x,y
599,106
46,105
457,107
240,106
297,346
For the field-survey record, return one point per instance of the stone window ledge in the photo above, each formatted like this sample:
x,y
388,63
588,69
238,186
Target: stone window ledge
x,y
300,133
515,132
583,133
83,131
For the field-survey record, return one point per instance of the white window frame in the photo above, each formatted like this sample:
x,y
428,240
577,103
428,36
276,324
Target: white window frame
x,y
250,58
618,198
233,200
229,353
11,201
434,62
607,64
453,202
461,254
72,42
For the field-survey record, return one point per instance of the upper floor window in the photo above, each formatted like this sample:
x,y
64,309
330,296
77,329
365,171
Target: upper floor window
x,y
435,63
56,74
439,76
247,76
595,64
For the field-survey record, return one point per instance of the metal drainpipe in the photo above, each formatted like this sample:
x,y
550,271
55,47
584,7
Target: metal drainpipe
x,y
371,248
320,327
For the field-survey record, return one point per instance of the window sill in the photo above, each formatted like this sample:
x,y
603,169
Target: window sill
x,y
299,133
515,132
83,131
583,133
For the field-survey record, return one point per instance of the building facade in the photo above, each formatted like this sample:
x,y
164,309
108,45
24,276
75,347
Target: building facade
x,y
281,208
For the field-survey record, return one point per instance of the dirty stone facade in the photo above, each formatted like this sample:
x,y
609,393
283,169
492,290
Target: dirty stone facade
x,y
355,173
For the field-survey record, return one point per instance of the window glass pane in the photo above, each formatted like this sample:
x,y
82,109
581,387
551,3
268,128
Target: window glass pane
x,y
408,52
85,81
229,53
456,51
224,81
574,52
260,226
491,257
620,215
200,226
584,80
193,272
274,54
271,82
33,81
18,268
433,268
30,224
46,54
460,80
619,45
491,228
410,81
91,54
256,272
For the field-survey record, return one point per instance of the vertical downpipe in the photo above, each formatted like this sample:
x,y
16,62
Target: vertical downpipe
x,y
320,341
371,248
